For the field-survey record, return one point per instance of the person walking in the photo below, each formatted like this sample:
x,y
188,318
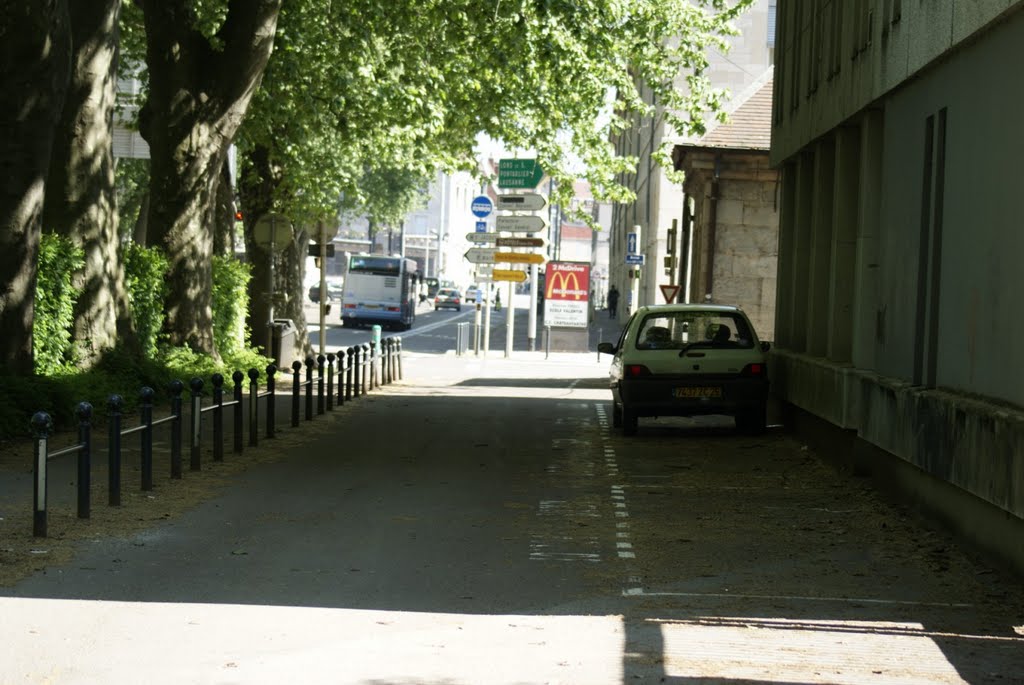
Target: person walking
x,y
613,302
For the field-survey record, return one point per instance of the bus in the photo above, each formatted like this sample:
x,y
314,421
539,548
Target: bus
x,y
379,289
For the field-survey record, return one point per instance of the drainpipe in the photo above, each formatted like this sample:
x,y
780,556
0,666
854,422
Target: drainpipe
x,y
709,277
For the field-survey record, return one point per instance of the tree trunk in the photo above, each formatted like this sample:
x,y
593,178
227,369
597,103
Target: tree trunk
x,y
223,215
257,184
35,45
80,189
139,230
197,99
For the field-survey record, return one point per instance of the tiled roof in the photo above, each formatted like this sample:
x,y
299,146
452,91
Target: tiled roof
x,y
750,122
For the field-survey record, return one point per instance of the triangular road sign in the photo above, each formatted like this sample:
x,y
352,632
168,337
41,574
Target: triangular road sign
x,y
669,292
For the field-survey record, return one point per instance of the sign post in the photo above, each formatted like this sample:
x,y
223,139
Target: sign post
x,y
519,173
271,231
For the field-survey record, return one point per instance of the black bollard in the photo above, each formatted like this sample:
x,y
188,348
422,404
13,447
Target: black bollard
x,y
330,381
296,385
310,363
254,407
271,399
218,417
84,414
114,405
196,453
41,424
238,377
320,361
176,388
146,442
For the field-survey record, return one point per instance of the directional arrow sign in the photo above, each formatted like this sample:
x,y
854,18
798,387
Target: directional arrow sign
x,y
528,202
519,173
522,242
481,255
518,257
508,275
481,237
526,223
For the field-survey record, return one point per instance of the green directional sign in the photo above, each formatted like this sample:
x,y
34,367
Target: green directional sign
x,y
519,173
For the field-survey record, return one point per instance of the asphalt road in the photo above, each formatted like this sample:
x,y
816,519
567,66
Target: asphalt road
x,y
481,522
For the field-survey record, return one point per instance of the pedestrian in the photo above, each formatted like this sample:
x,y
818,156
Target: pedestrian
x,y
613,301
497,300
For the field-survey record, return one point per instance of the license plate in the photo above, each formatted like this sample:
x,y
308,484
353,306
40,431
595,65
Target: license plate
x,y
698,391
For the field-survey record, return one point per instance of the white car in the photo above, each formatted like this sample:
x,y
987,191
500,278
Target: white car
x,y
474,291
687,360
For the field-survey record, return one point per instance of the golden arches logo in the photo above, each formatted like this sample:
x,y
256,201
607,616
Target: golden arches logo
x,y
563,278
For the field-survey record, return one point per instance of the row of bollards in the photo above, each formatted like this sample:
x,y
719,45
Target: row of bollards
x,y
358,369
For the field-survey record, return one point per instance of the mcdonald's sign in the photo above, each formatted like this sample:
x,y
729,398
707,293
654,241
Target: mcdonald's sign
x,y
566,294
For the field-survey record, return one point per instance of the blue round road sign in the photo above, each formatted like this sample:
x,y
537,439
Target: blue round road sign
x,y
482,206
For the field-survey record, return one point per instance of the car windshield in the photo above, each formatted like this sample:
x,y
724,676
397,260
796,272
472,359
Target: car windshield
x,y
684,329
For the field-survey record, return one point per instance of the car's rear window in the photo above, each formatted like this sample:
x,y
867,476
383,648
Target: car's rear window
x,y
447,292
676,330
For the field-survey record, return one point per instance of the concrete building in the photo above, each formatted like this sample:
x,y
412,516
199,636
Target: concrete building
x,y
897,132
730,226
660,200
436,235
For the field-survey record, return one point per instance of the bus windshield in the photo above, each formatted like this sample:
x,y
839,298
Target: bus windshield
x,y
367,264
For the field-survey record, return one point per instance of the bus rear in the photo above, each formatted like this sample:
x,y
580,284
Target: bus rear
x,y
378,290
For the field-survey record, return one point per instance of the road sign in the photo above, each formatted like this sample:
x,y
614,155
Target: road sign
x,y
519,173
273,230
527,202
520,223
482,206
314,249
481,237
631,243
481,226
522,242
519,257
635,259
481,255
669,292
508,275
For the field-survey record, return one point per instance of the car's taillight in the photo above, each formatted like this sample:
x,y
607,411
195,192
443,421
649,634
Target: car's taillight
x,y
637,370
393,309
350,306
757,370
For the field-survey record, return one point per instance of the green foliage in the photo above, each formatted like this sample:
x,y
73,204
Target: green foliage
x,y
52,342
230,303
131,180
145,279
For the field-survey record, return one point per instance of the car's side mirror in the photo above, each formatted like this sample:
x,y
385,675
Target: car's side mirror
x,y
765,346
606,348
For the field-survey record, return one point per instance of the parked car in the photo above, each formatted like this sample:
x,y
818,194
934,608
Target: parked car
x,y
448,298
688,360
334,289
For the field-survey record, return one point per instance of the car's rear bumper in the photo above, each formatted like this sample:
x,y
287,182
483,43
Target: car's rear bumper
x,y
684,397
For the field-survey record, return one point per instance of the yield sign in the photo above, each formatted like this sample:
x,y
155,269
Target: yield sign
x,y
669,292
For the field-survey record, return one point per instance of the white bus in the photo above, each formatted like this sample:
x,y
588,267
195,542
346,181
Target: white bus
x,y
379,289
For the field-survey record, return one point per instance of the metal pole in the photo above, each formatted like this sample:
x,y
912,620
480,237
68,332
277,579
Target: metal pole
x,y
510,322
41,426
114,450
310,362
271,400
320,383
254,407
296,386
330,381
84,413
238,377
195,461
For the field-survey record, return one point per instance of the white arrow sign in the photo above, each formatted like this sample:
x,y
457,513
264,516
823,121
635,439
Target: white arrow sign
x,y
481,255
526,223
527,202
481,237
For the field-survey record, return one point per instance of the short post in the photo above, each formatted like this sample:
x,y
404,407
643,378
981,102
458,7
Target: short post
x,y
320,360
398,356
357,383
330,381
254,407
41,425
176,388
84,413
310,363
296,385
271,399
146,447
374,354
547,343
367,360
238,377
218,417
196,457
114,404
389,346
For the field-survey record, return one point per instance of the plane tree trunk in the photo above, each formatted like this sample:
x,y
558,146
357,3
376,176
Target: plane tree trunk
x,y
80,190
197,99
34,36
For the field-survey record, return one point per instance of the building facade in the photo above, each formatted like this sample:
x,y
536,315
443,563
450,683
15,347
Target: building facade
x,y
896,130
659,200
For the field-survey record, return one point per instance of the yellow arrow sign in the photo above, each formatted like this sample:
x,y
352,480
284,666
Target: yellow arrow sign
x,y
519,257
508,275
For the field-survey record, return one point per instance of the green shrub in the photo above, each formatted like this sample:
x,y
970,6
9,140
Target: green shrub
x,y
52,335
230,304
145,279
